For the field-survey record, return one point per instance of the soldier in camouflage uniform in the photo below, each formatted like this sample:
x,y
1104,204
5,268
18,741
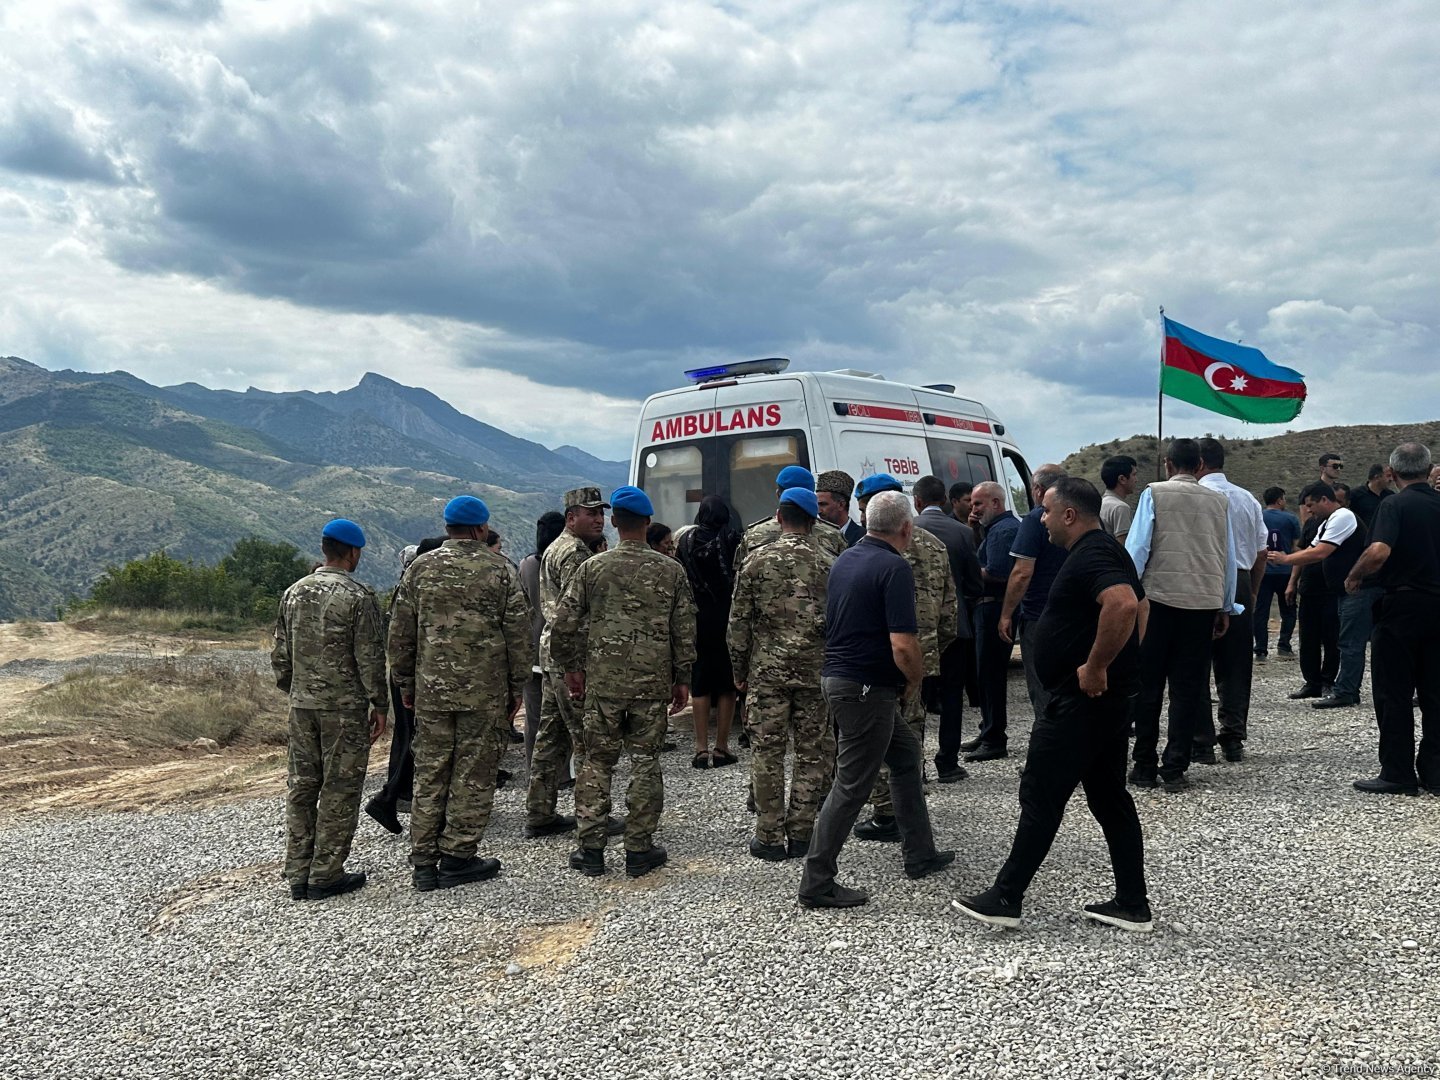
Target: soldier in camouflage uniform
x,y
460,652
558,738
329,657
825,536
935,615
777,643
624,635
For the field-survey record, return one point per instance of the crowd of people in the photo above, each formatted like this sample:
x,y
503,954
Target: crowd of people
x,y
831,640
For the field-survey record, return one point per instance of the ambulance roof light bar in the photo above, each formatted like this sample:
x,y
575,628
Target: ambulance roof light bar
x,y
770,365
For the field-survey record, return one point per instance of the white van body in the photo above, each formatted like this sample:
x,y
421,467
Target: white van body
x,y
729,435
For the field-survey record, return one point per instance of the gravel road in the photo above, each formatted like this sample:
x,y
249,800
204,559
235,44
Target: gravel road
x,y
1297,933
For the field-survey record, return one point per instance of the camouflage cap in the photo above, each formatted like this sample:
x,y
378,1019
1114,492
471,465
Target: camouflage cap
x,y
588,497
837,482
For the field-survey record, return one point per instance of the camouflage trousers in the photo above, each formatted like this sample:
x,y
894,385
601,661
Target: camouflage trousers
x,y
637,726
329,752
914,716
456,757
559,738
779,714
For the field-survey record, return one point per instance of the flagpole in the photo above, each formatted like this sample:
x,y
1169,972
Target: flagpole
x,y
1160,406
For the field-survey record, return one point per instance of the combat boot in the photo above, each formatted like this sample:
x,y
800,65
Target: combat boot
x,y
559,825
341,885
425,878
299,890
640,863
589,861
454,871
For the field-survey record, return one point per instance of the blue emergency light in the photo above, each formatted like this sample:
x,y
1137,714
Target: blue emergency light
x,y
771,365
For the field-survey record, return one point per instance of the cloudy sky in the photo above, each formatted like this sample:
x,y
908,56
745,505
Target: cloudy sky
x,y
544,211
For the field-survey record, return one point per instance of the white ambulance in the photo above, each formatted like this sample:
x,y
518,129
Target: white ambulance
x,y
736,425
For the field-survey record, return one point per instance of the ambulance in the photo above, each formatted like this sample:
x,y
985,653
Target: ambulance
x,y
735,426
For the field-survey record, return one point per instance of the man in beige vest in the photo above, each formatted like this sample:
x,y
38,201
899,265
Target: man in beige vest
x,y
1181,545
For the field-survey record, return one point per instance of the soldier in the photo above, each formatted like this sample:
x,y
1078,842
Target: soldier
x,y
460,652
826,536
935,614
329,657
780,602
624,634
559,736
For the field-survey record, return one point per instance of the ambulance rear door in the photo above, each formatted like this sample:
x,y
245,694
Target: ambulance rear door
x,y
670,461
761,427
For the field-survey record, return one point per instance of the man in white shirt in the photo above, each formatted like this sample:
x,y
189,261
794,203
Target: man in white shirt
x,y
1232,655
1118,476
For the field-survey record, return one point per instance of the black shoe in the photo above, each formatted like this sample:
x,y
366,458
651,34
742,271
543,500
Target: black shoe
x,y
990,908
568,782
1335,701
559,824
1309,690
1175,784
453,871
516,736
1144,776
1205,756
986,752
952,775
879,828
384,813
614,826
402,806
425,878
1262,657
798,849
1326,689
1110,913
339,887
970,744
768,852
932,865
669,744
640,863
299,890
838,897
1380,786
1285,650
502,777
1234,751
744,739
589,861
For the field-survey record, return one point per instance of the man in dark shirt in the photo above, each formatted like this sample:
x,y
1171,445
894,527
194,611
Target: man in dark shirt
x,y
1319,620
1087,655
1364,501
1282,529
992,652
1404,552
872,666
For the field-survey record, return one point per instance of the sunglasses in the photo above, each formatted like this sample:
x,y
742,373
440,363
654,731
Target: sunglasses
x,y
1335,465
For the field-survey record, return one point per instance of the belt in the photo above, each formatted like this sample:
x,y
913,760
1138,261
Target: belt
x,y
988,600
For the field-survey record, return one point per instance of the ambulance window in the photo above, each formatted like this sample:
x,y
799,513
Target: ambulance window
x,y
981,468
754,462
1017,479
672,478
953,461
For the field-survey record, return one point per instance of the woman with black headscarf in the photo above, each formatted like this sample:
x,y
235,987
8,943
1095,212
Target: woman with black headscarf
x,y
708,554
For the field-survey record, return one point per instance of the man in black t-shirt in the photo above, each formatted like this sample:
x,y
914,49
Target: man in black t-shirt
x,y
1318,619
1404,552
1087,655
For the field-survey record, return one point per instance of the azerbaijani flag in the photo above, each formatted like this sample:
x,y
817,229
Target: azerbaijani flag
x,y
1235,380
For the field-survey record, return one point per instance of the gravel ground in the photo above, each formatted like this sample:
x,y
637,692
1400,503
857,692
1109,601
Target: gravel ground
x,y
1297,933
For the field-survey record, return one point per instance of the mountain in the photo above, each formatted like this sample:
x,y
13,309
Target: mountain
x,y
608,474
1290,460
97,469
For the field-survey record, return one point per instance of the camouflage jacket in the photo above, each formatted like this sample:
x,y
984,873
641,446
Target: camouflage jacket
x,y
460,630
824,536
329,649
935,602
777,618
557,566
627,620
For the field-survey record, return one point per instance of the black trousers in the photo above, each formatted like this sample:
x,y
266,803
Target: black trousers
x,y
1176,651
950,692
1080,741
1272,587
400,780
1319,638
1234,664
1403,663
872,733
992,662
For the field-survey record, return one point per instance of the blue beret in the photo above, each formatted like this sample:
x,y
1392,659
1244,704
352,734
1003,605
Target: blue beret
x,y
873,485
632,499
466,510
805,500
346,531
795,476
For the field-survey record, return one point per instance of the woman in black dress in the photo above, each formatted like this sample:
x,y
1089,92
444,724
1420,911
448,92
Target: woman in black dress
x,y
708,554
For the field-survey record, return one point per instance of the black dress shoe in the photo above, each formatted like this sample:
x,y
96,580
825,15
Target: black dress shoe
x,y
1175,784
299,890
1144,776
384,813
589,861
879,828
640,863
932,865
837,897
1309,690
1204,756
343,884
970,744
986,752
516,736
560,823
453,871
1234,751
768,852
1335,701
502,777
798,849
1381,786
952,775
